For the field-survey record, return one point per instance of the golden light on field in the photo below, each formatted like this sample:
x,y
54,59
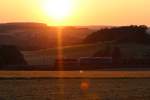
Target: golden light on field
x,y
58,9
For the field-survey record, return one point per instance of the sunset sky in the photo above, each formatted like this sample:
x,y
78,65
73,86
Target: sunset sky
x,y
76,12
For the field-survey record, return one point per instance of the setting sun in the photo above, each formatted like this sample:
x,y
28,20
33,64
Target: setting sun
x,y
58,9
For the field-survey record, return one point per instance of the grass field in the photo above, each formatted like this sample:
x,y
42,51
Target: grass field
x,y
48,56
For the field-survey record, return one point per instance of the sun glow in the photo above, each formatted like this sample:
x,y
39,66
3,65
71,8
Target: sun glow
x,y
58,9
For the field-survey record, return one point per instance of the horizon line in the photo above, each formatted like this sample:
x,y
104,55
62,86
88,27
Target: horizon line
x,y
94,25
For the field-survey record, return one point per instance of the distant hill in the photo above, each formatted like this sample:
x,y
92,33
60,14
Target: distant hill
x,y
95,27
123,34
15,26
34,36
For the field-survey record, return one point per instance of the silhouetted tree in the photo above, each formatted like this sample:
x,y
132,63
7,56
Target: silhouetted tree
x,y
10,55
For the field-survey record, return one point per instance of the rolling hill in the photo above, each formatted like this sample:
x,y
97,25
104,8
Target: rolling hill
x,y
48,56
35,36
123,34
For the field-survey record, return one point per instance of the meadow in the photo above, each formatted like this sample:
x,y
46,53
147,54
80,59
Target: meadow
x,y
48,56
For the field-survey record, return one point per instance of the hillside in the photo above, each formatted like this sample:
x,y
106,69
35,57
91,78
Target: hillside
x,y
124,34
35,36
48,56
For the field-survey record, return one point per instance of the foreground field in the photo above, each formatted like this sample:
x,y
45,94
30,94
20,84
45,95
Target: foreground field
x,y
71,89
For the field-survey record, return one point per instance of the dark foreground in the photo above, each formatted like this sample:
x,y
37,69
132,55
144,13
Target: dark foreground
x,y
75,89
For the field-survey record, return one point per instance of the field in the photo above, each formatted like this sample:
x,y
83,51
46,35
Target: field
x,y
70,89
48,56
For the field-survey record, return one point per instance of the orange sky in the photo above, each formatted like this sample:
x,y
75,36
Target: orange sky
x,y
83,12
